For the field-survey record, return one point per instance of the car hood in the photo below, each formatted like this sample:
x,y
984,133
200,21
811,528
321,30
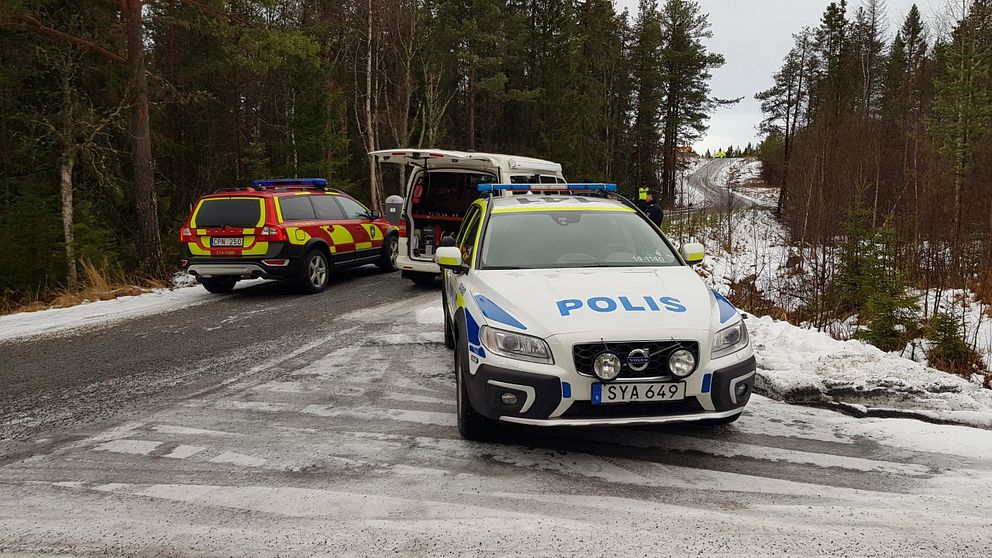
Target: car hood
x,y
612,302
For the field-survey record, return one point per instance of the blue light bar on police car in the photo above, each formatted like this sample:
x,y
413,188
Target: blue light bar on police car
x,y
597,187
284,182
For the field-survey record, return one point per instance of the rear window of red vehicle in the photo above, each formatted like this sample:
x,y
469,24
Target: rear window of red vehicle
x,y
232,212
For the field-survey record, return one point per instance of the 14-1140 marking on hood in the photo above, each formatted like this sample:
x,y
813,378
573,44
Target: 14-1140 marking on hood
x,y
605,305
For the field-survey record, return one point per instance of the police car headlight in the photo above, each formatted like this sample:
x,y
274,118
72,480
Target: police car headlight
x,y
729,340
681,363
516,345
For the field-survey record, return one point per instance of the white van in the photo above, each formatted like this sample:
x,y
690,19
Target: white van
x,y
440,187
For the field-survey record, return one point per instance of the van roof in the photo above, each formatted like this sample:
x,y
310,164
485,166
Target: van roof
x,y
417,157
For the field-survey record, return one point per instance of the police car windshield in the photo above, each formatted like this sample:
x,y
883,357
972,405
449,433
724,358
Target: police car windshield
x,y
572,239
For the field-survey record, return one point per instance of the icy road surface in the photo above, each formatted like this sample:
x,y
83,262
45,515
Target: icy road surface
x,y
340,440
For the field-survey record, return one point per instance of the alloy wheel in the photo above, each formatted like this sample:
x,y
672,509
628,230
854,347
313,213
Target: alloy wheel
x,y
318,271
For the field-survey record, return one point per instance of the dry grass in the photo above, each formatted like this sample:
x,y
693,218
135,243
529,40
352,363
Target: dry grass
x,y
97,282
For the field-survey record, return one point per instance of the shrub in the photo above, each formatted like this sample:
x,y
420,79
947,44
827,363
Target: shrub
x,y
948,349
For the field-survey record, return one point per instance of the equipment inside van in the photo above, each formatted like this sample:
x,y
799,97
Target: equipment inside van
x,y
440,188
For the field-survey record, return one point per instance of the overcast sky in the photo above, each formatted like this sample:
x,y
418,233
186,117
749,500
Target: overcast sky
x,y
754,36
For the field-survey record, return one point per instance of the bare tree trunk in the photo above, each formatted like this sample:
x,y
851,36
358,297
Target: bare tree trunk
x,y
67,163
370,116
149,237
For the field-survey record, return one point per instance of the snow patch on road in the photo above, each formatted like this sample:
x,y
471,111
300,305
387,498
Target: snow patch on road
x,y
182,451
367,413
239,459
133,447
187,431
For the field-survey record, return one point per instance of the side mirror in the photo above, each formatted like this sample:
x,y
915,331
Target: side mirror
x,y
693,253
450,258
375,214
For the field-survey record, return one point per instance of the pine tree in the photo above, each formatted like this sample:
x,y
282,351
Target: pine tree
x,y
648,82
783,104
867,282
946,346
963,103
868,38
597,108
833,51
687,66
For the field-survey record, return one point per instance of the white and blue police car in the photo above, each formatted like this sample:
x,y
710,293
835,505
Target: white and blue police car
x,y
572,309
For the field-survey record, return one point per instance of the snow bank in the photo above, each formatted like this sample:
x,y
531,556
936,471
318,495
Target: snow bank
x,y
804,366
88,314
91,314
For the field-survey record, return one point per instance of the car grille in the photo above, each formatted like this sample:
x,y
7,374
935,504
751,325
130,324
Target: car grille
x,y
585,409
585,354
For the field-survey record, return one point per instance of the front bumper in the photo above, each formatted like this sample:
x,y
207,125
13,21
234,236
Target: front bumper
x,y
632,421
556,400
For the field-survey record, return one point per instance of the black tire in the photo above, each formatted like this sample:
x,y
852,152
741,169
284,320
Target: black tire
x,y
219,285
314,272
471,424
449,334
422,279
390,251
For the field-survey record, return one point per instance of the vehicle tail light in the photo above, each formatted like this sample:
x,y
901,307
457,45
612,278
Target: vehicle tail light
x,y
276,263
272,233
186,235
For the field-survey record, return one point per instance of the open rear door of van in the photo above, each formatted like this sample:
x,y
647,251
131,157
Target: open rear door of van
x,y
434,158
434,206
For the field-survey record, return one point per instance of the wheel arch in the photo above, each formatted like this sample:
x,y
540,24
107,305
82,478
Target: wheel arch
x,y
459,323
323,246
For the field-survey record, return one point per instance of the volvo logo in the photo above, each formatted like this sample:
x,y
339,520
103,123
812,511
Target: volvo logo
x,y
639,359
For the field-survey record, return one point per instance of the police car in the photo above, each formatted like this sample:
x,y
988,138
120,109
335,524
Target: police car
x,y
575,310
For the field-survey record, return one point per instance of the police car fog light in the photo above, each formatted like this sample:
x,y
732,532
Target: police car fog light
x,y
742,390
681,363
508,399
607,366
